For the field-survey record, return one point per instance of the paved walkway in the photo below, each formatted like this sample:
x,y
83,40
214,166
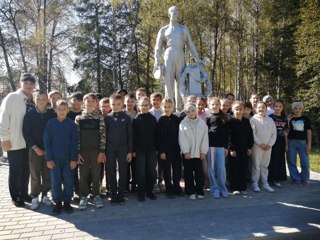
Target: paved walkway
x,y
289,213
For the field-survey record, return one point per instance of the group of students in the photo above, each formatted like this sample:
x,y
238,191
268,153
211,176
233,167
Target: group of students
x,y
139,142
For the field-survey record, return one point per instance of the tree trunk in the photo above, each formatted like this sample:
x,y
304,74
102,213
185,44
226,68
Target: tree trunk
x,y
230,65
137,60
148,61
120,85
43,68
239,54
114,52
214,54
6,59
20,45
279,78
136,46
98,49
256,47
51,55
13,21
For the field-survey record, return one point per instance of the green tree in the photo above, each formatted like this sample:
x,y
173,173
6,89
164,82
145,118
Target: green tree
x,y
280,21
308,67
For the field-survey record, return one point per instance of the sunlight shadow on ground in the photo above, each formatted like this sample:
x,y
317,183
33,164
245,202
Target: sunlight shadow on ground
x,y
284,229
299,206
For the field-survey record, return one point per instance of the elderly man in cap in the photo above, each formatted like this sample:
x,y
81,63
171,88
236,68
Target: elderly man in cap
x,y
268,99
12,111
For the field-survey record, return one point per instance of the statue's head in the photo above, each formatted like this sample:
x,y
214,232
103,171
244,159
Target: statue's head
x,y
173,13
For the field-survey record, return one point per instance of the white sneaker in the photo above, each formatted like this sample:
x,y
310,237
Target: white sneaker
x,y
97,202
277,184
255,187
267,187
200,197
46,201
236,192
83,203
34,203
192,197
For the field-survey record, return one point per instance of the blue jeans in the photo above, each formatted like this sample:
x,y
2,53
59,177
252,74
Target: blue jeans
x,y
61,172
299,146
217,170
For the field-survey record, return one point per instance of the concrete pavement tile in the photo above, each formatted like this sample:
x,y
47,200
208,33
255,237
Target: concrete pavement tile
x,y
45,237
54,231
62,236
40,216
81,234
65,225
5,220
32,234
90,238
13,214
29,221
74,229
44,228
11,236
16,226
23,230
37,224
18,219
78,238
6,232
4,224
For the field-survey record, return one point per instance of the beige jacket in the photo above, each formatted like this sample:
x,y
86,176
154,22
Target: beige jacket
x,y
12,111
264,130
193,137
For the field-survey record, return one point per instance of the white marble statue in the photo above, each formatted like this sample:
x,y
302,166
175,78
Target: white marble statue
x,y
192,79
173,38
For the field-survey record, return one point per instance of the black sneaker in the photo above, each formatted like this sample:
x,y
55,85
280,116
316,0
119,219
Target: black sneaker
x,y
170,196
152,196
27,198
141,198
121,201
114,201
180,194
57,208
133,189
67,207
18,202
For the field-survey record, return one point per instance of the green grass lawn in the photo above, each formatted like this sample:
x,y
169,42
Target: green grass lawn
x,y
315,160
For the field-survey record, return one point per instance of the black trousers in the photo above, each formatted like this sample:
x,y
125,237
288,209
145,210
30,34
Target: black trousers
x,y
146,170
76,180
160,169
131,174
172,164
277,165
238,170
18,173
193,176
117,156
